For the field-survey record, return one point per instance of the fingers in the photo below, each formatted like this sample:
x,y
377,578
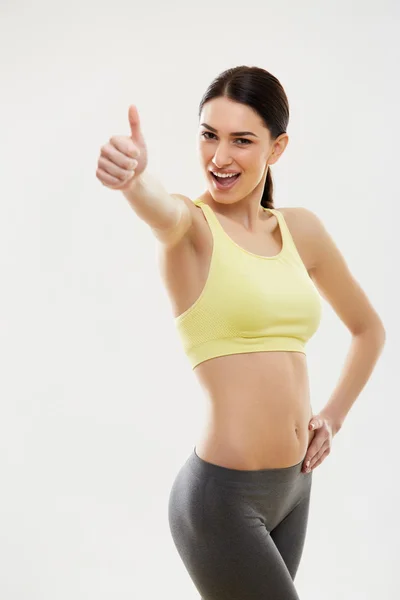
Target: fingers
x,y
116,165
315,456
122,150
109,180
320,460
114,168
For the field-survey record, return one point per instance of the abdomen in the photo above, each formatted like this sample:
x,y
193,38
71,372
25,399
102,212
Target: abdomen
x,y
258,410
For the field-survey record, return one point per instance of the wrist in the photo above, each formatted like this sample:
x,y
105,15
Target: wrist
x,y
334,421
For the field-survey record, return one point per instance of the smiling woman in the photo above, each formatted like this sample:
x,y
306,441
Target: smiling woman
x,y
245,280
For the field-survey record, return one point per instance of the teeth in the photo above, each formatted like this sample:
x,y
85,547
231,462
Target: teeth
x,y
224,174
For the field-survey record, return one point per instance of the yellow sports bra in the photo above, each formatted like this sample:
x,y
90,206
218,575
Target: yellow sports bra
x,y
250,303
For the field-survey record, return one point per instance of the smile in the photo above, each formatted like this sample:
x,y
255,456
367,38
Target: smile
x,y
224,183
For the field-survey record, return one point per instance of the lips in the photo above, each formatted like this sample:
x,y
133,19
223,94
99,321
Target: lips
x,y
224,172
226,183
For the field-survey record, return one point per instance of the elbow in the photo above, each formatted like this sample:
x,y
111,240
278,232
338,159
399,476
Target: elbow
x,y
381,331
375,330
383,335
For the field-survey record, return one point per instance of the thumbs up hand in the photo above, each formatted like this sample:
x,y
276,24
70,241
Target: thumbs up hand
x,y
123,158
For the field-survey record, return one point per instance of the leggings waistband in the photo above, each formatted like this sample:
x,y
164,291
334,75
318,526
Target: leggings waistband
x,y
204,468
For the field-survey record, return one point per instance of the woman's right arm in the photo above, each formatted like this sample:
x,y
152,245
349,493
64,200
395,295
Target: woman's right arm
x,y
122,166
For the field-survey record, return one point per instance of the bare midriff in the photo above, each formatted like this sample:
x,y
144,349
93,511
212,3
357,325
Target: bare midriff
x,y
258,410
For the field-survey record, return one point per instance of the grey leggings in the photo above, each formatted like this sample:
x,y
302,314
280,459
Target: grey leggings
x,y
240,534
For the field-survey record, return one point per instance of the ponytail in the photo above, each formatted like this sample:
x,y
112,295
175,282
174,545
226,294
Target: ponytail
x,y
267,197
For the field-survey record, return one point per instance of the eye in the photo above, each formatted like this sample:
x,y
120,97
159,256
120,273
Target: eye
x,y
206,133
247,142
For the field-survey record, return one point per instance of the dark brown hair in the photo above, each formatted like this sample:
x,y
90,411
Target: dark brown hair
x,y
260,90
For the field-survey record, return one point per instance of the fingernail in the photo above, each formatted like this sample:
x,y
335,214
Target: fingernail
x,y
307,464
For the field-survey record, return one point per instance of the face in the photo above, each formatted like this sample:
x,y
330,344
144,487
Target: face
x,y
221,149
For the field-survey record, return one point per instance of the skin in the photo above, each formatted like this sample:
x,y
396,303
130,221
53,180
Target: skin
x,y
259,412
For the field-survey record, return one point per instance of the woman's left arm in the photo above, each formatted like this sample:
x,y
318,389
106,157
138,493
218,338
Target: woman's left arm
x,y
338,286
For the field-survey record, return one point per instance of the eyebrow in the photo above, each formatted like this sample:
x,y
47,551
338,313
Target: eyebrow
x,y
233,133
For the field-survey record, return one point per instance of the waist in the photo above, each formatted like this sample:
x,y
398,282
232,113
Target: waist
x,y
247,447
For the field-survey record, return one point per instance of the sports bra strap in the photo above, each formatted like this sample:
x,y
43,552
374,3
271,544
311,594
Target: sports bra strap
x,y
218,231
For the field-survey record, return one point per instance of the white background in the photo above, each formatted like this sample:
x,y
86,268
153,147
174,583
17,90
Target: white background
x,y
99,405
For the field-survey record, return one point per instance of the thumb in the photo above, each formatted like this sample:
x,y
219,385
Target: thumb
x,y
134,122
315,423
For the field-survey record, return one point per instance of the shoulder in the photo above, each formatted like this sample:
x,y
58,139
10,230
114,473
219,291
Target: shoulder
x,y
302,219
308,232
194,212
192,221
188,201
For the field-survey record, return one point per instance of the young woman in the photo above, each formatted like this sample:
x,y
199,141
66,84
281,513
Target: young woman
x,y
245,281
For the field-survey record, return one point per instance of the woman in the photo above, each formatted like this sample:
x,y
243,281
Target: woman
x,y
245,281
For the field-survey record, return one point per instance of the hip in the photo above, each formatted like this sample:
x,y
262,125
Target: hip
x,y
204,494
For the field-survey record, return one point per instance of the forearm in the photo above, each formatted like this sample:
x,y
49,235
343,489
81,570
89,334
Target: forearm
x,y
364,352
152,203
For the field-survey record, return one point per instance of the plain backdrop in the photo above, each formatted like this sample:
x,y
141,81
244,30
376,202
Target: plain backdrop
x,y
99,405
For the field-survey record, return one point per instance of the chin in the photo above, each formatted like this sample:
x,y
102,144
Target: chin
x,y
221,199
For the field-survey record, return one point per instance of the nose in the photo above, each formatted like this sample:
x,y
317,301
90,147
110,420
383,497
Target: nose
x,y
221,157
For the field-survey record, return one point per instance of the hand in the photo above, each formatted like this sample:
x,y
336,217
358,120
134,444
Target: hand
x,y
321,443
124,157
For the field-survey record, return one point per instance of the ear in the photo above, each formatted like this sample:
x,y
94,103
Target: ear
x,y
278,148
